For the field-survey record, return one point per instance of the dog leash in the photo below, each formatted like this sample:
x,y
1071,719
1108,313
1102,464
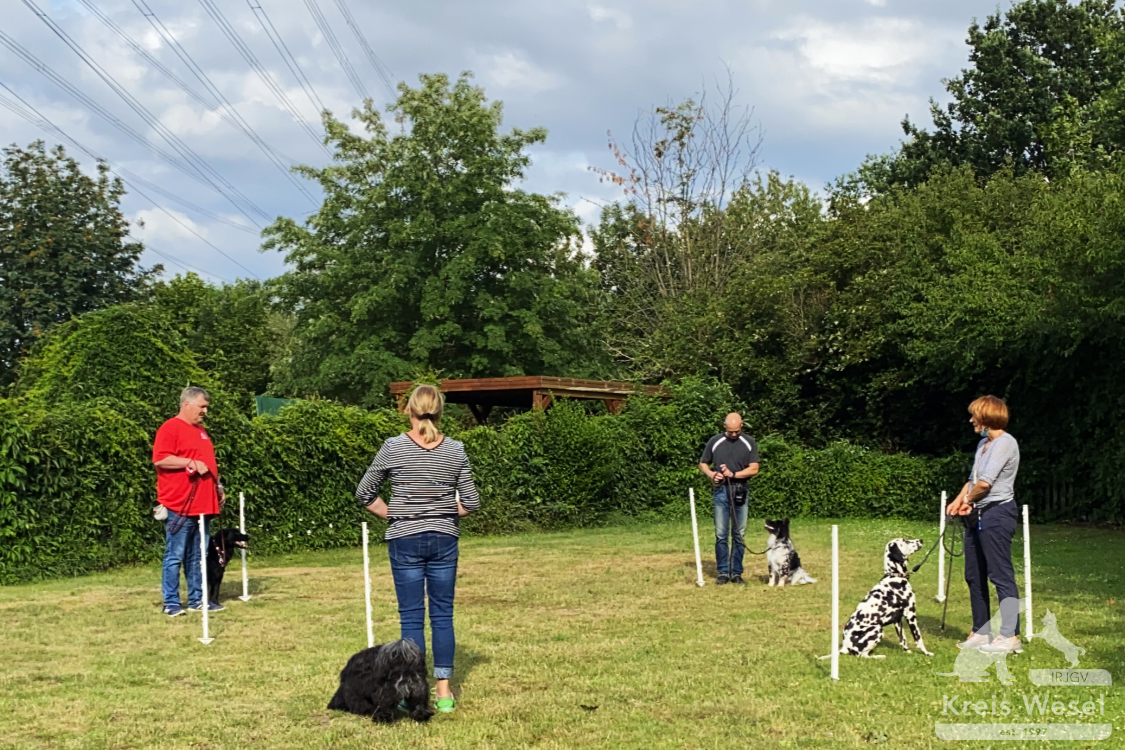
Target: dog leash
x,y
177,523
734,526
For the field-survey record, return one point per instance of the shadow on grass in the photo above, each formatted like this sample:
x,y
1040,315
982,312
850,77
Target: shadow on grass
x,y
232,585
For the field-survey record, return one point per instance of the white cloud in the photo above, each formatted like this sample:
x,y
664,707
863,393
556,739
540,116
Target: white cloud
x,y
512,71
160,227
883,50
620,18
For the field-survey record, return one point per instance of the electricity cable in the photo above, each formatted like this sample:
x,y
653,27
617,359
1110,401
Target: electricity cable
x,y
205,170
36,118
220,106
248,55
283,50
380,68
337,50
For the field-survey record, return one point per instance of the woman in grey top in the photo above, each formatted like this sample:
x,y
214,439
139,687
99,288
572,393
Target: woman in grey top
x,y
987,504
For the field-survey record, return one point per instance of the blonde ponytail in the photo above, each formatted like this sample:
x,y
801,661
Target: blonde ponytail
x,y
426,404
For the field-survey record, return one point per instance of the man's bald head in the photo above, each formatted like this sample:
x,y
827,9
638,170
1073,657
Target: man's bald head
x,y
733,422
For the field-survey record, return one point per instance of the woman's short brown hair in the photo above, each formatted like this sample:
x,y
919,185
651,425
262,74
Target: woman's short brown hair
x,y
990,411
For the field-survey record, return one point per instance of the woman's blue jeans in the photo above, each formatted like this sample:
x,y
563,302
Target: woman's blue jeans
x,y
181,549
425,565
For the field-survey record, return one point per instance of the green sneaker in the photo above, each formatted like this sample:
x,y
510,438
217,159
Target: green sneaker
x,y
445,705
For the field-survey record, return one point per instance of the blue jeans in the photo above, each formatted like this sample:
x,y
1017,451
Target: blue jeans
x,y
723,530
181,549
426,564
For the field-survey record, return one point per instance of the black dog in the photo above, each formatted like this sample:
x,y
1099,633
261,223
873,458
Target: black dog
x,y
377,680
220,549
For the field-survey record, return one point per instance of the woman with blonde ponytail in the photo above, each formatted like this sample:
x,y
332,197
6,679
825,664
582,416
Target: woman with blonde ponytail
x,y
431,489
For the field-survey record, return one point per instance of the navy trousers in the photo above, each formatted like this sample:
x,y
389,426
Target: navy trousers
x,y
988,557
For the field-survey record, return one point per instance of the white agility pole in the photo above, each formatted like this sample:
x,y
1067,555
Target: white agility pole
x,y
835,602
367,589
941,557
242,527
203,572
695,535
1027,570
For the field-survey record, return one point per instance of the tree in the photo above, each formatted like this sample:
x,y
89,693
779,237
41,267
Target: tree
x,y
1044,93
232,328
63,247
666,254
425,255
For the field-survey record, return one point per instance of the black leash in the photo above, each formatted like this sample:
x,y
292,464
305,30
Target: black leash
x,y
734,527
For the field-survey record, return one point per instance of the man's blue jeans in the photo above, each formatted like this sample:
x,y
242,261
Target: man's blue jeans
x,y
181,549
729,562
426,564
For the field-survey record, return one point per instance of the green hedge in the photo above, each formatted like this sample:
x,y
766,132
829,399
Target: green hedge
x,y
77,485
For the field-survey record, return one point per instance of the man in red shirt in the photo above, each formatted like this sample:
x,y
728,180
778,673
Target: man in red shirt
x,y
187,484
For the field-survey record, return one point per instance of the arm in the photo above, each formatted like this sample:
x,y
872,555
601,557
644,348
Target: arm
x,y
714,476
470,499
176,463
368,491
748,472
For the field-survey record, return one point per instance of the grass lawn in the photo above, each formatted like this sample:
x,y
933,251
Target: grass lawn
x,y
586,639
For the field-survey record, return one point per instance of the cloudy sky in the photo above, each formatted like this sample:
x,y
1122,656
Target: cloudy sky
x,y
829,82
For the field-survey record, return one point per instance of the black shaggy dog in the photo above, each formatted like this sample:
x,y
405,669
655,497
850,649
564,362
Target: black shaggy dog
x,y
220,549
377,680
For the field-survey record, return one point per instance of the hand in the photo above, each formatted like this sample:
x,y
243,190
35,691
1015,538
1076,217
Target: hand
x,y
958,507
461,509
222,496
198,467
716,477
727,473
379,508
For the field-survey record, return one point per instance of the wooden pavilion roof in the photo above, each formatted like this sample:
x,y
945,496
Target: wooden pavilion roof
x,y
533,391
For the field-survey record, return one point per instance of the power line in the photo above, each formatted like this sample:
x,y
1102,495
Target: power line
x,y
32,115
251,60
204,169
222,107
283,50
380,68
40,120
326,30
102,112
183,264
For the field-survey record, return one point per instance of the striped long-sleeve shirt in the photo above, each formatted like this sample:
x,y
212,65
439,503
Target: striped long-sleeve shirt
x,y
424,485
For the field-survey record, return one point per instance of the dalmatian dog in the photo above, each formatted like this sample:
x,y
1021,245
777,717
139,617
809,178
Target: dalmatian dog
x,y
889,602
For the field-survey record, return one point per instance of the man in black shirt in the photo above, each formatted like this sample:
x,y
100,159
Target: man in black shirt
x,y
734,457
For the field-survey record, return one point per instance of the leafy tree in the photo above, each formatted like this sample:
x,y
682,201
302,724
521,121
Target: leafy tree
x,y
63,247
425,255
232,328
1044,93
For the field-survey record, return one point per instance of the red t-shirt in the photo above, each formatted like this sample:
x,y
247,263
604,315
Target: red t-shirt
x,y
173,486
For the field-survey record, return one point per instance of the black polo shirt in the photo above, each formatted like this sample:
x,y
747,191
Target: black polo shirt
x,y
737,454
